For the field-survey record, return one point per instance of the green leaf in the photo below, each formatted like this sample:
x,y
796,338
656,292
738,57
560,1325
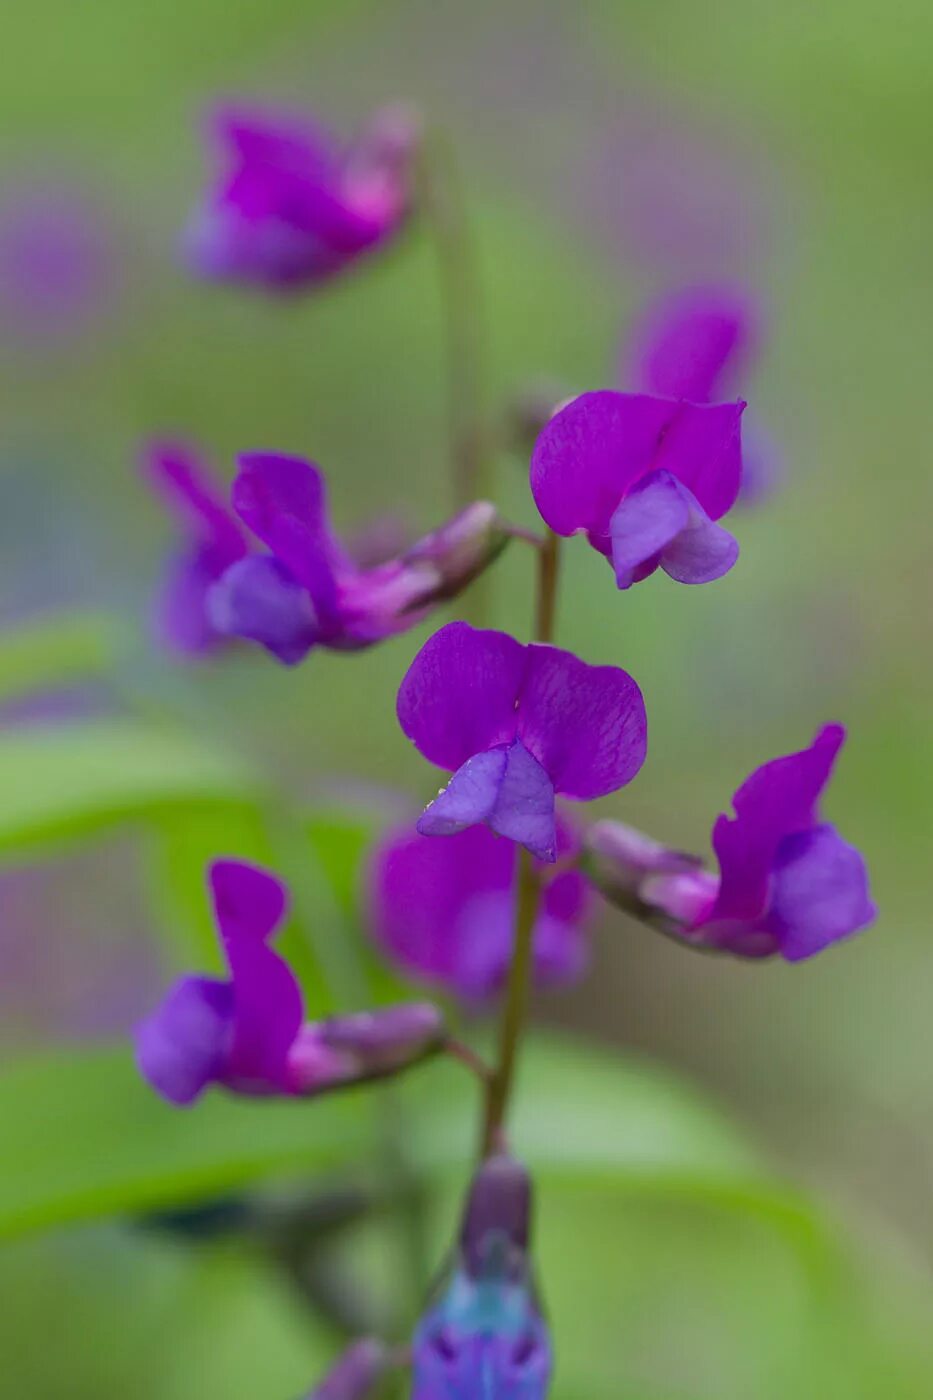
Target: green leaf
x,y
71,780
53,653
84,1137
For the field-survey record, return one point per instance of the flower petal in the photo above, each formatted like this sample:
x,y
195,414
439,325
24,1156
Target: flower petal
x,y
703,449
586,725
259,600
775,801
184,1045
267,1000
695,345
700,553
181,480
650,517
820,893
182,617
459,694
505,787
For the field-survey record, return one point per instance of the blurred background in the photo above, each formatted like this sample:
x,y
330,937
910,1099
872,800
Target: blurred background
x,y
611,150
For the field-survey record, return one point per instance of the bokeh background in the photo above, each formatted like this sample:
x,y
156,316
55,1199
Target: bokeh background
x,y
611,149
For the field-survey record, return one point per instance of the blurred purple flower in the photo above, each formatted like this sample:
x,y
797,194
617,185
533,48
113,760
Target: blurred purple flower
x,y
702,344
444,911
247,1033
356,1373
645,478
517,724
56,262
291,209
788,883
485,1335
309,592
213,541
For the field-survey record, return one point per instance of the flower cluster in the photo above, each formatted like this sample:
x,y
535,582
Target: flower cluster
x,y
492,886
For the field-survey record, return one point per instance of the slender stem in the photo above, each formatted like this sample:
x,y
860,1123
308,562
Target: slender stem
x,y
467,1056
445,207
548,574
516,1002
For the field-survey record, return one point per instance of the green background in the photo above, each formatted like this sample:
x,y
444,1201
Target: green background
x,y
610,150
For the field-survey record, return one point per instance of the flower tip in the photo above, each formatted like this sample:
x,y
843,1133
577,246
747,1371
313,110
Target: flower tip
x,y
355,1373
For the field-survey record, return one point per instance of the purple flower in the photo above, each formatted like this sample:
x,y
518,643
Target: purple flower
x,y
355,1374
444,910
290,208
701,344
645,478
213,541
517,724
788,883
247,1033
309,592
484,1335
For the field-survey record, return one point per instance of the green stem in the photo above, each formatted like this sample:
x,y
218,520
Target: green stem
x,y
445,207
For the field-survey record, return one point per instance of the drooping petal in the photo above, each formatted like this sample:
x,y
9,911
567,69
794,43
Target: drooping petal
x,y
595,449
259,600
820,893
182,615
283,501
458,697
185,1044
506,788
267,999
777,800
702,552
696,344
649,518
586,725
175,471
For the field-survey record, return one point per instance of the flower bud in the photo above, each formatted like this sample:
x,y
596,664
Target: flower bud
x,y
355,1373
643,877
364,1045
454,554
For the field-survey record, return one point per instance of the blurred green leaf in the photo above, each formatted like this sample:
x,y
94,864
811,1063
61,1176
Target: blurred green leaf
x,y
56,652
84,1137
70,780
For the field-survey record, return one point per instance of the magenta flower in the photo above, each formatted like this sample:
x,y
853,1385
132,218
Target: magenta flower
x,y
701,344
444,911
645,478
309,591
290,208
788,883
213,541
247,1034
517,724
484,1334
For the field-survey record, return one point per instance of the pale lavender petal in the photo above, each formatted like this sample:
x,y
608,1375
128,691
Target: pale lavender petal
x,y
820,893
505,787
652,514
458,697
778,799
283,501
700,553
185,1044
696,344
267,999
259,600
586,725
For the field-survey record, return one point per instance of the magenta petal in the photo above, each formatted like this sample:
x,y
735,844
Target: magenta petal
x,y
703,449
820,893
267,1000
283,501
184,1045
506,788
259,600
778,799
183,483
586,725
649,518
182,614
458,697
695,345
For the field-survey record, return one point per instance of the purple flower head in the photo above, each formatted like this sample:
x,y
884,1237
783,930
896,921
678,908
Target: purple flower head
x,y
213,541
246,1033
788,883
484,1333
646,479
516,725
355,1374
443,911
701,344
290,208
308,591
